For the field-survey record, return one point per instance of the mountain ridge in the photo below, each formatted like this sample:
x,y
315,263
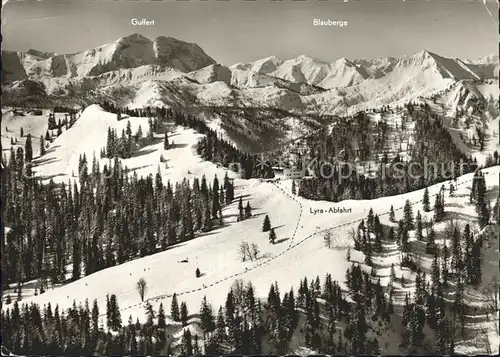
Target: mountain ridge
x,y
178,71
136,50
127,52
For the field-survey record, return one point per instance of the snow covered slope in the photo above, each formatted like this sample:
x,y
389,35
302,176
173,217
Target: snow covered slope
x,y
298,225
88,136
35,125
299,249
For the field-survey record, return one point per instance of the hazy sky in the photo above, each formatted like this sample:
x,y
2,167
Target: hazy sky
x,y
238,31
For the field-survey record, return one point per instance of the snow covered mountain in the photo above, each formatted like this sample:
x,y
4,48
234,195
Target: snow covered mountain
x,y
127,52
166,70
345,73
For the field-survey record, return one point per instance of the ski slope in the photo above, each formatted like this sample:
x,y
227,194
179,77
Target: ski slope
x,y
300,251
89,134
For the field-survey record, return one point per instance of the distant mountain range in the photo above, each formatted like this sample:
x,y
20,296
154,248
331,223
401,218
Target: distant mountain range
x,y
166,71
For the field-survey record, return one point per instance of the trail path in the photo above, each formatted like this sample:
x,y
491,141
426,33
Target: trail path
x,y
293,243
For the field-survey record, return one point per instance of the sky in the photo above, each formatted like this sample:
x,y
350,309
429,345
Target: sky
x,y
239,31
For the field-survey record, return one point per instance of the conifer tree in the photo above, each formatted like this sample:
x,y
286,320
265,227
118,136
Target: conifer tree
x,y
425,201
110,144
390,235
368,254
475,278
480,200
115,316
161,317
267,224
438,208
128,130
28,149
392,276
272,236
95,319
369,220
328,239
458,303
444,265
496,211
430,245
220,327
109,311
174,309
42,145
52,121
139,135
392,217
184,315
435,273
402,237
240,209
132,345
186,343
408,215
452,189
206,317
248,210
419,226
196,346
456,251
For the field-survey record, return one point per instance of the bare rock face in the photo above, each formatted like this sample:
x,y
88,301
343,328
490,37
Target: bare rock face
x,y
12,66
183,56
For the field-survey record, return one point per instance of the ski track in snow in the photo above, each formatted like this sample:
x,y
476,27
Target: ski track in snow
x,y
290,246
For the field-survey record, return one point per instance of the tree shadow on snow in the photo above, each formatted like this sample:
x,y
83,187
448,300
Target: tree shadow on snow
x,y
48,177
143,152
206,234
177,146
281,240
460,216
39,161
138,168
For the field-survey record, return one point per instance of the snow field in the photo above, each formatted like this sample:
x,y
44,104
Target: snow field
x,y
36,125
216,253
89,134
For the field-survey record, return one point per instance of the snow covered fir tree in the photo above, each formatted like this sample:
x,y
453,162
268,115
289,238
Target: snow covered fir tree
x,y
156,202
